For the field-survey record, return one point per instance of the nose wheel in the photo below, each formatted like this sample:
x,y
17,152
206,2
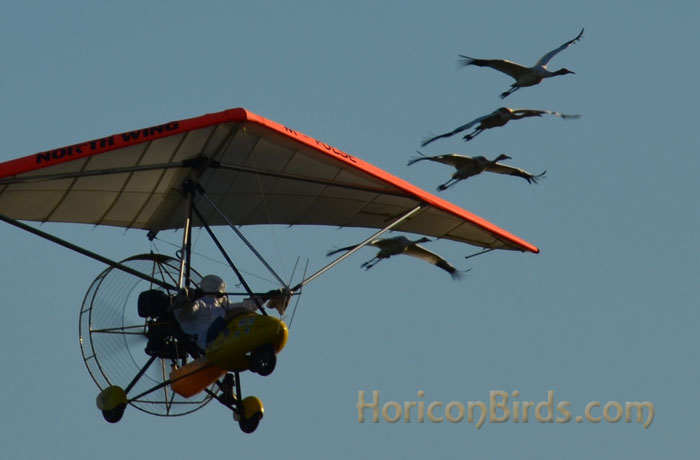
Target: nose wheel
x,y
246,411
263,360
252,413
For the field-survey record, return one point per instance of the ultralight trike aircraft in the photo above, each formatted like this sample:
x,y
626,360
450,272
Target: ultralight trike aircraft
x,y
231,168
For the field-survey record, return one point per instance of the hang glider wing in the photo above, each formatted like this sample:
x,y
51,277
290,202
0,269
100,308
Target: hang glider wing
x,y
257,171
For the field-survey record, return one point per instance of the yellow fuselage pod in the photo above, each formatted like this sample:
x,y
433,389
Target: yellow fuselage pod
x,y
242,335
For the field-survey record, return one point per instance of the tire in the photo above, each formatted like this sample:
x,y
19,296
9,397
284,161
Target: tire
x,y
263,360
248,425
114,415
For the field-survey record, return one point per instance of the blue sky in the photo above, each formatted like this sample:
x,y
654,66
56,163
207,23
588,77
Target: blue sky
x,y
606,312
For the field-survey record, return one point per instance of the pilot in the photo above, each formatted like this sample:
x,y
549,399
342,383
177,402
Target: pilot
x,y
213,310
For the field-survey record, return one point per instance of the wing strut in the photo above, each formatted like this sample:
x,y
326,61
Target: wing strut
x,y
184,279
478,253
85,252
364,243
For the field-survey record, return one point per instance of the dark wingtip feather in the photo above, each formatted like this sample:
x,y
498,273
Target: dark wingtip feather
x,y
336,251
465,60
428,140
533,178
454,273
414,159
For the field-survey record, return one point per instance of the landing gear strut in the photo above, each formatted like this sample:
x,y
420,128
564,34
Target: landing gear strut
x,y
246,411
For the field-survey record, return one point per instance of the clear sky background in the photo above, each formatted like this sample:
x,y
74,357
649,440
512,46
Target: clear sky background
x,y
608,311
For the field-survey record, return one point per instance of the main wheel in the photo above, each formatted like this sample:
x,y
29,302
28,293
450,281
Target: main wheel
x,y
129,340
248,425
114,415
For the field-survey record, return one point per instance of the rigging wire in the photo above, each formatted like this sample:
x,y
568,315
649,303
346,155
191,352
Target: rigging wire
x,y
211,259
269,216
241,236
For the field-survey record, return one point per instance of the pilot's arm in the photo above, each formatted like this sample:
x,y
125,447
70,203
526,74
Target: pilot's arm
x,y
276,299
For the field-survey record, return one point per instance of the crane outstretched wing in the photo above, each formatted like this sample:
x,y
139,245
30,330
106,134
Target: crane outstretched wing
x,y
505,66
500,168
544,60
457,130
522,113
450,159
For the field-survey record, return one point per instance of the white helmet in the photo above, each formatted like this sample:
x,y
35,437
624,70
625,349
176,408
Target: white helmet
x,y
211,284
